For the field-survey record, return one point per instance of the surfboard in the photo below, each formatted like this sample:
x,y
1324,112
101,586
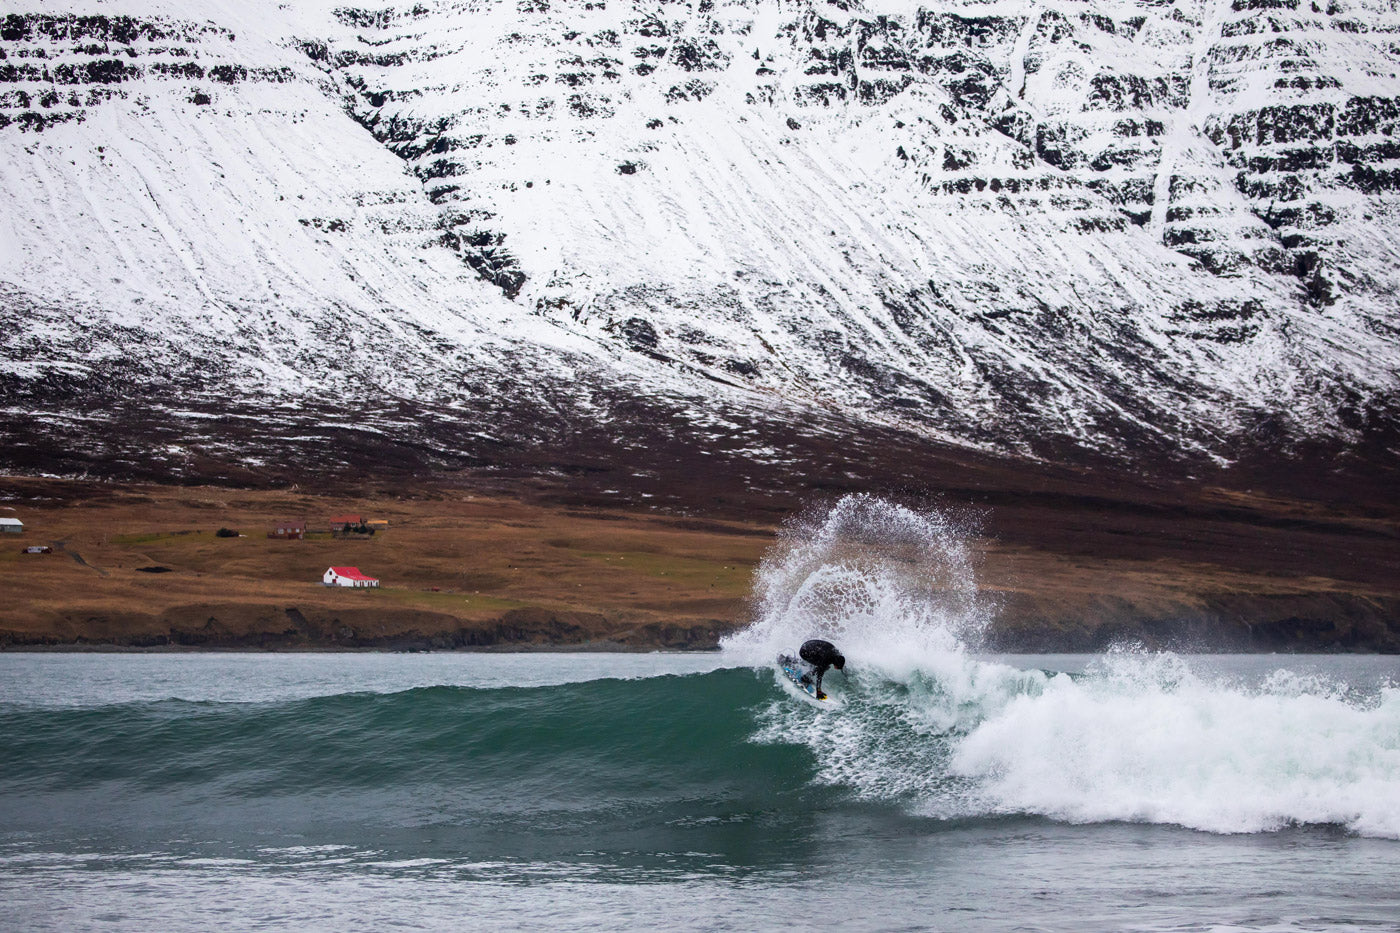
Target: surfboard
x,y
792,670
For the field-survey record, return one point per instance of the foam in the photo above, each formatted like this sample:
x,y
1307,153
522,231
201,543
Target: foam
x,y
1139,737
1142,739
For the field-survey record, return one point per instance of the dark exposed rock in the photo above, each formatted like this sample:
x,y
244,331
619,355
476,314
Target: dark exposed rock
x,y
639,333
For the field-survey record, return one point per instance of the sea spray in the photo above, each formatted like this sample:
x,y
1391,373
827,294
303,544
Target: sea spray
x,y
885,582
895,588
1138,737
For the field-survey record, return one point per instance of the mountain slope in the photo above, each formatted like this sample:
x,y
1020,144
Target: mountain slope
x,y
1122,228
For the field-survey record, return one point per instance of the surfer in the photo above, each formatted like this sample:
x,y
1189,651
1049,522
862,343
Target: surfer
x,y
821,654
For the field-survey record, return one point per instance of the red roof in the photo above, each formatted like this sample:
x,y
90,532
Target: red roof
x,y
351,573
346,519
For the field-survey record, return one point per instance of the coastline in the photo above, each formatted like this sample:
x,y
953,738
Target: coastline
x,y
470,571
583,648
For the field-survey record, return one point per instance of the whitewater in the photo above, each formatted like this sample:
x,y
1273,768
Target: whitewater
x,y
948,789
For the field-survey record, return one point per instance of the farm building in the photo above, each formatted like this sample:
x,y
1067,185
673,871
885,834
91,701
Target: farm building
x,y
347,576
338,522
37,549
289,530
11,526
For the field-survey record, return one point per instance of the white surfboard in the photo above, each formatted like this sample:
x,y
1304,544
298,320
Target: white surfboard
x,y
791,672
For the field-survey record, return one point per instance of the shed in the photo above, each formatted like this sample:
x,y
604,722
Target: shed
x,y
347,576
338,522
11,526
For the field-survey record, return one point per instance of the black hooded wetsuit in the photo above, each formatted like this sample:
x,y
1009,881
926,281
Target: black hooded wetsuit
x,y
821,655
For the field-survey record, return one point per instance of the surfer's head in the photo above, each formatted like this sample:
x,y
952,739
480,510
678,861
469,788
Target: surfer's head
x,y
840,662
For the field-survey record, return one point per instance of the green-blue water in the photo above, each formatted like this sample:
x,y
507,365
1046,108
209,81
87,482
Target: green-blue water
x,y
946,791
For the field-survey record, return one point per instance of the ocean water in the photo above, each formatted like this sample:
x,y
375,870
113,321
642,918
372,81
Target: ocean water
x,y
944,789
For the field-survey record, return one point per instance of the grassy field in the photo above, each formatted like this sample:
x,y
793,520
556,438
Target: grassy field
x,y
131,560
142,565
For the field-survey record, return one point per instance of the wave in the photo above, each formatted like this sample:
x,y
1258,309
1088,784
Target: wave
x,y
1137,738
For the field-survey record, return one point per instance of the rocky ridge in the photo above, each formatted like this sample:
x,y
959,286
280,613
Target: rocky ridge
x,y
1117,227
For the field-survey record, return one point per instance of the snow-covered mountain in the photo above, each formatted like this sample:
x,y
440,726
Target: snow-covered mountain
x,y
1023,226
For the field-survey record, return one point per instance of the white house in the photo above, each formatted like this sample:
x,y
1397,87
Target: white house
x,y
347,576
11,525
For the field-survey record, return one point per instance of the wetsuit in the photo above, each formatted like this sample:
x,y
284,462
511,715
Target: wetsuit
x,y
821,655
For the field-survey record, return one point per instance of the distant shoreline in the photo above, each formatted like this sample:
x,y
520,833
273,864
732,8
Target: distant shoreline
x,y
463,570
591,648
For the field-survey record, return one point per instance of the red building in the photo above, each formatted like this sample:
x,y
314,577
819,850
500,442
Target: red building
x,y
289,530
347,576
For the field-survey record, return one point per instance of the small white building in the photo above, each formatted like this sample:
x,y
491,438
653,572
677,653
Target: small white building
x,y
347,576
11,526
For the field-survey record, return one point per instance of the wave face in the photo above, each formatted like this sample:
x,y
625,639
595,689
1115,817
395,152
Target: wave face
x,y
525,772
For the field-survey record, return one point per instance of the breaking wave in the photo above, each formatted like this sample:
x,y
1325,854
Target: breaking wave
x,y
1137,737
